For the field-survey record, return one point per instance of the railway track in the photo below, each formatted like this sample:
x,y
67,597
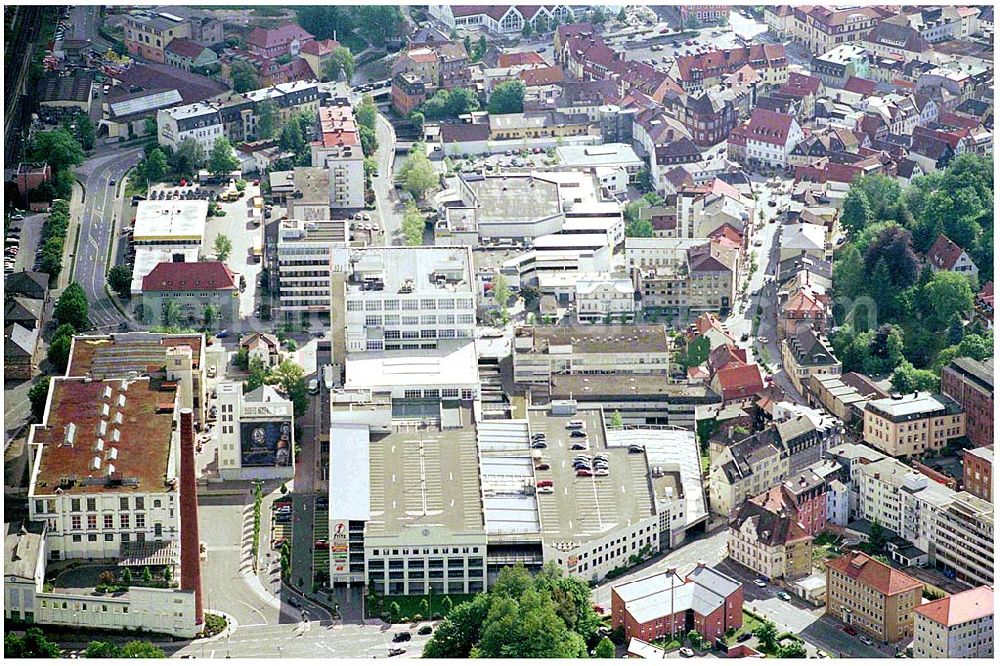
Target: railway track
x,y
26,25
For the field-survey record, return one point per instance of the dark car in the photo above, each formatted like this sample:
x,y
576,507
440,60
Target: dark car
x,y
401,636
577,433
540,444
542,467
395,652
578,447
111,182
848,629
635,448
745,636
424,630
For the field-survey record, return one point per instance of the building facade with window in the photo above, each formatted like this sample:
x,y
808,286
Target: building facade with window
x,y
256,433
105,466
913,424
872,596
960,626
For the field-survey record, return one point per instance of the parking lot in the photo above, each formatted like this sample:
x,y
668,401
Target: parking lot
x,y
582,507
21,242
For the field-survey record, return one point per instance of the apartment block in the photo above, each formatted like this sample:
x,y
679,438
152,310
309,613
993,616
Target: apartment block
x,y
914,424
874,597
960,626
774,545
970,384
305,264
977,472
338,150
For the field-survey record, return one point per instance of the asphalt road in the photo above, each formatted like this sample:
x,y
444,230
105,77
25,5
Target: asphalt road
x,y
710,549
101,208
388,209
309,640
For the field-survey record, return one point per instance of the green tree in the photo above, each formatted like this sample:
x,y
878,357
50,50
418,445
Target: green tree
x,y
639,228
291,377
366,113
526,30
792,650
291,137
622,16
527,627
244,77
369,141
102,650
155,166
258,376
127,576
907,379
120,280
187,159
947,295
508,97
417,120
171,313
339,64
461,101
58,147
418,173
425,608
413,225
222,160
149,125
501,295
33,645
142,650
848,272
72,307
460,631
267,119
38,394
379,22
85,132
767,633
395,612
59,347
616,419
857,212
222,247
978,347
446,605
605,649
209,316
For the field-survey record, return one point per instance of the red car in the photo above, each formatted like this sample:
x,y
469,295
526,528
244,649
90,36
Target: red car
x,y
598,609
848,629
321,543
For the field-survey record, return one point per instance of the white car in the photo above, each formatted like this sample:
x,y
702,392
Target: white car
x,y
864,639
686,652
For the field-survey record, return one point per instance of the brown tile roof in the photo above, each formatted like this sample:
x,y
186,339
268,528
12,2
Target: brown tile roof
x,y
525,58
320,47
870,572
185,47
542,76
959,608
944,253
768,127
773,529
737,382
726,61
184,276
263,38
860,86
138,447
800,85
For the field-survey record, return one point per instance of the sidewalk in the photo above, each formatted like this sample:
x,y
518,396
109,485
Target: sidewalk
x,y
76,204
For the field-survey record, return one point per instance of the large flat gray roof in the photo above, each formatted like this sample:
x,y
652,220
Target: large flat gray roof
x,y
518,198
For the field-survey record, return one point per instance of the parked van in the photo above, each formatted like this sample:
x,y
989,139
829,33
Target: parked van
x,y
574,424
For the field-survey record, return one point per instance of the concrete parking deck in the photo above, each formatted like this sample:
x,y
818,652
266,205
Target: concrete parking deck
x,y
583,508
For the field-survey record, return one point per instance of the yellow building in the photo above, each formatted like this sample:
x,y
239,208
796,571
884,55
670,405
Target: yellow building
x,y
913,424
536,125
771,544
874,597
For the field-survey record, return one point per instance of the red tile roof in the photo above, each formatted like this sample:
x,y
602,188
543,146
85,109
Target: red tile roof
x,y
320,47
513,59
985,294
265,39
184,276
185,47
768,127
726,61
803,301
542,76
944,253
739,381
800,85
873,574
860,86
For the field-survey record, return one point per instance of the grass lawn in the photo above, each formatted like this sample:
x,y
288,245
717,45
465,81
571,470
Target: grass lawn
x,y
410,605
667,645
705,461
750,623
135,186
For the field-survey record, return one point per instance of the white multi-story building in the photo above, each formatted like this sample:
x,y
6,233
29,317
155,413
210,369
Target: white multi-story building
x,y
165,231
770,137
256,433
306,267
338,149
200,122
605,300
404,298
959,626
105,466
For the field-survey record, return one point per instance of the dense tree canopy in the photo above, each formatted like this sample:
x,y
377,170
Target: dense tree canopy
x,y
508,97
